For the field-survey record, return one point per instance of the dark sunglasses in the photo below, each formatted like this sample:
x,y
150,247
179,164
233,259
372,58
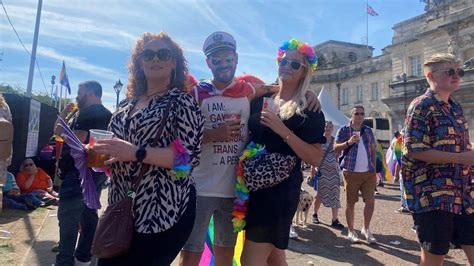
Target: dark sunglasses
x,y
295,65
217,61
28,164
163,54
451,71
357,113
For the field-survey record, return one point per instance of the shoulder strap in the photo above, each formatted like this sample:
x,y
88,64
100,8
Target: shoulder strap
x,y
136,181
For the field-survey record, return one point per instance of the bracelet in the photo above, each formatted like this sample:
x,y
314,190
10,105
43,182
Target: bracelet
x,y
181,162
287,137
347,144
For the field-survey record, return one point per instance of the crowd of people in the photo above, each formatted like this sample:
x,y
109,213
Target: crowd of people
x,y
178,143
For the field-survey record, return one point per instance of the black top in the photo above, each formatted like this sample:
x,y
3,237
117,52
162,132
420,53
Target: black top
x,y
310,129
271,210
93,117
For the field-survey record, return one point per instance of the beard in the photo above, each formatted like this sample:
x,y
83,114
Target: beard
x,y
224,74
81,102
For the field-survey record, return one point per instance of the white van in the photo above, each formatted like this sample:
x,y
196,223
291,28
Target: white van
x,y
381,128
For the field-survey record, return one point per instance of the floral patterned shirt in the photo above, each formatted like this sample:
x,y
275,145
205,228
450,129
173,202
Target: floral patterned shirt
x,y
432,124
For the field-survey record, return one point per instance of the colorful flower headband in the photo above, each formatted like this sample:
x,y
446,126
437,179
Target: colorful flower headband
x,y
302,48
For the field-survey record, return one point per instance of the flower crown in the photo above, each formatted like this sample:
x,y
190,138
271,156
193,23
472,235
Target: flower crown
x,y
303,48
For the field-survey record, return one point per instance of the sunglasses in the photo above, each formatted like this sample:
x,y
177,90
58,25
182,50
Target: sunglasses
x,y
451,71
295,65
163,54
217,61
357,113
28,164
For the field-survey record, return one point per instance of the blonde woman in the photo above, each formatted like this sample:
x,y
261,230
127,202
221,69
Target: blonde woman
x,y
293,131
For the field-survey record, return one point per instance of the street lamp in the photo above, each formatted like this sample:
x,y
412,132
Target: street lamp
x,y
404,77
53,78
118,87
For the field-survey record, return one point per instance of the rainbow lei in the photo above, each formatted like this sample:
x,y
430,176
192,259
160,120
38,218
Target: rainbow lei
x,y
239,211
181,165
302,48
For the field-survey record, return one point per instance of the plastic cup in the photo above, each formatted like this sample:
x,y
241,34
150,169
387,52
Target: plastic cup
x,y
94,159
356,133
232,114
271,105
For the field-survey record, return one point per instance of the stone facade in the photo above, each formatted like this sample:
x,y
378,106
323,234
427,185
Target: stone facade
x,y
446,26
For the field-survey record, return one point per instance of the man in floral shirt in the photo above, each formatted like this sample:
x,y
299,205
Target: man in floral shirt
x,y
436,164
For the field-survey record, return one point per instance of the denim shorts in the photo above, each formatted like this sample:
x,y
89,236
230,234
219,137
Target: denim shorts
x,y
221,210
437,229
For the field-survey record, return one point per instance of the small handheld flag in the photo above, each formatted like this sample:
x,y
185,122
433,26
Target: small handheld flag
x,y
63,78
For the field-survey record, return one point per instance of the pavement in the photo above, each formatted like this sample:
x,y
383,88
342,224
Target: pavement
x,y
316,245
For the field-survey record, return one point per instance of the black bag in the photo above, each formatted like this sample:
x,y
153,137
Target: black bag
x,y
267,170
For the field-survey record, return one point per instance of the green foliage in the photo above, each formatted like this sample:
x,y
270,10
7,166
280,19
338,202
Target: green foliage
x,y
18,90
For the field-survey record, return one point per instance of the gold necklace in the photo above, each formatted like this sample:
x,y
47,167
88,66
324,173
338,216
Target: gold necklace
x,y
156,93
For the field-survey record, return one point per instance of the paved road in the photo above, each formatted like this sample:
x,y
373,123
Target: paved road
x,y
319,244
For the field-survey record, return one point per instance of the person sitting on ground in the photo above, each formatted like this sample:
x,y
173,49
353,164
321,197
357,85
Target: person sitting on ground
x,y
34,179
14,200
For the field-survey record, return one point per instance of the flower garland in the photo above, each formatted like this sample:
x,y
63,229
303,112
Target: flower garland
x,y
303,48
239,211
181,165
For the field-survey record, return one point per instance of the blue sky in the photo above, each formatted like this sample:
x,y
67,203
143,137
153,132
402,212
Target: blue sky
x,y
95,38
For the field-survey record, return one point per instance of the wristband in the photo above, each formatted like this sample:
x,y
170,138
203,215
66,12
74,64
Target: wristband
x,y
287,137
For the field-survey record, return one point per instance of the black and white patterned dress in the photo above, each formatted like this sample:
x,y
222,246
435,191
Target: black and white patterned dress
x,y
161,199
329,182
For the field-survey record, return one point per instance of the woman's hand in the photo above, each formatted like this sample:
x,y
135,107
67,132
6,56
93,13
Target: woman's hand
x,y
274,122
119,150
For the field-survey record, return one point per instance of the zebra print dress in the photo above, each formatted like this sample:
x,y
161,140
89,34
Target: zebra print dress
x,y
329,182
160,199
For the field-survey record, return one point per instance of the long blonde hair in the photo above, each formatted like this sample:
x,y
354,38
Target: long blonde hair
x,y
298,103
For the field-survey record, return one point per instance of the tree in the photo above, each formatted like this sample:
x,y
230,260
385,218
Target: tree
x,y
46,99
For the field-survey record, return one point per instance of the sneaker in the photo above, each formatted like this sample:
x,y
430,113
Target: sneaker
x,y
315,219
368,236
55,248
293,234
353,237
336,224
80,263
402,210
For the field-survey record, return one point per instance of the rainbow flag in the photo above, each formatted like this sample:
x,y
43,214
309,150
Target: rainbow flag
x,y
381,156
207,258
394,155
63,78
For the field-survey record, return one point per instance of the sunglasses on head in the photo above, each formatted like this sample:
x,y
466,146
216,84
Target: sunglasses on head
x,y
451,71
361,114
295,65
163,54
217,61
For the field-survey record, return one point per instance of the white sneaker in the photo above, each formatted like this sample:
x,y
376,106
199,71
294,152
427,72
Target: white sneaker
x,y
293,234
80,263
353,237
368,235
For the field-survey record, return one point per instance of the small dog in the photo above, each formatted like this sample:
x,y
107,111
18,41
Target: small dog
x,y
305,203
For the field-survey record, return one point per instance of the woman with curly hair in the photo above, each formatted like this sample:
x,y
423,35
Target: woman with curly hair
x,y
294,131
165,198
